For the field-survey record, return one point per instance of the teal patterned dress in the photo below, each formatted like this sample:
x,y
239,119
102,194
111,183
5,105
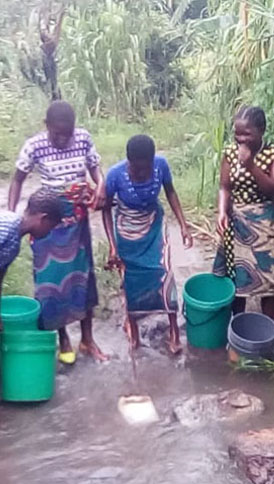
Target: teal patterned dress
x,y
246,253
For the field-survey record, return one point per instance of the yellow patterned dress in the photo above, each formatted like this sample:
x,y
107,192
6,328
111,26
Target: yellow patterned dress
x,y
246,253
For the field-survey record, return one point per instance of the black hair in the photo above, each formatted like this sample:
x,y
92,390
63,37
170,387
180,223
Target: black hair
x,y
60,111
45,201
254,115
141,147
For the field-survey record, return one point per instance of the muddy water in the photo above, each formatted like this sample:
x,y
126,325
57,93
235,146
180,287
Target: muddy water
x,y
80,438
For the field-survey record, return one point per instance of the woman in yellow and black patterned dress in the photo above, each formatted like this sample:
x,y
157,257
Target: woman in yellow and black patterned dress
x,y
246,212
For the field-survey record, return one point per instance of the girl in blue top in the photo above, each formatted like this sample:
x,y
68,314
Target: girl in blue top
x,y
139,242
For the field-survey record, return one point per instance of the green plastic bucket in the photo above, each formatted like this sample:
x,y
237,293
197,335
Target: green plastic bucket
x,y
19,313
28,365
207,309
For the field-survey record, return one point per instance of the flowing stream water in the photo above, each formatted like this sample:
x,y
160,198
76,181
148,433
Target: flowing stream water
x,y
80,438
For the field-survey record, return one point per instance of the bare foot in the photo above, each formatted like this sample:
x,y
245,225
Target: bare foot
x,y
65,346
91,349
133,339
134,343
175,347
127,329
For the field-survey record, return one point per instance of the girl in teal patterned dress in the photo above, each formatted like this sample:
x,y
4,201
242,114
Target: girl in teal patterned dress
x,y
140,240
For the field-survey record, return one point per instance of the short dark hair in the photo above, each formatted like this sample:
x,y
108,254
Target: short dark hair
x,y
60,111
254,115
141,147
45,201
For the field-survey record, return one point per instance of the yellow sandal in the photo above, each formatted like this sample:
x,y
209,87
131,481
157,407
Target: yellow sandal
x,y
68,357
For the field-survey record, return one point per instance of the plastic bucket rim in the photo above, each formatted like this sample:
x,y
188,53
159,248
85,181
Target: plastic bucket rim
x,y
222,302
209,305
245,352
29,332
252,313
29,341
245,344
13,348
25,400
37,309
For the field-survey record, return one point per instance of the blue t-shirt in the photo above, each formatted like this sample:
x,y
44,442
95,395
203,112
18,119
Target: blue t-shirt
x,y
134,195
10,238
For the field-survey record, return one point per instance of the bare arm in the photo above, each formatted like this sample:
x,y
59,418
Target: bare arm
x,y
176,207
2,274
49,40
113,260
15,189
100,194
265,182
224,201
108,225
97,175
58,27
44,16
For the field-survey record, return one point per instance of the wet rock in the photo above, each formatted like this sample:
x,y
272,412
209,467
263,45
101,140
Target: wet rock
x,y
254,455
154,333
182,361
225,406
144,352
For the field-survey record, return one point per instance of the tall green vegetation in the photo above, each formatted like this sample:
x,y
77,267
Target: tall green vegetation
x,y
178,68
102,59
118,58
175,69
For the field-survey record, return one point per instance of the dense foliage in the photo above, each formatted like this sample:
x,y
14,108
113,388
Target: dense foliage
x,y
194,59
175,69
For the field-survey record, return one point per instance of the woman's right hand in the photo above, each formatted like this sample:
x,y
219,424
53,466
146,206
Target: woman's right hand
x,y
223,223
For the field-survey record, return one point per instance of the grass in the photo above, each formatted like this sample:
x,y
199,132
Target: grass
x,y
179,135
257,366
176,134
21,115
18,280
108,283
110,137
176,138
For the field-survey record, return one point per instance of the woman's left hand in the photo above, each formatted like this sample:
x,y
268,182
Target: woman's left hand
x,y
187,237
99,197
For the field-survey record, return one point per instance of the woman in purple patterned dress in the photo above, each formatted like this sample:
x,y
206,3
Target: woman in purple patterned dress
x,y
63,265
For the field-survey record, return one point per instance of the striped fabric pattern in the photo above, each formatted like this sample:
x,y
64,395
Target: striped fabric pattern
x,y
144,248
9,238
64,275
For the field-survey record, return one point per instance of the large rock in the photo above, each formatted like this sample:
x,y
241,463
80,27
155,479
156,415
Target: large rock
x,y
225,406
254,454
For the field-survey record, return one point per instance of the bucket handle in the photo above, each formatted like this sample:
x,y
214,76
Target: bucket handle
x,y
203,322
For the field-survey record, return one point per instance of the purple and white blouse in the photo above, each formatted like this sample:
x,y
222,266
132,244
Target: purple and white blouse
x,y
59,168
